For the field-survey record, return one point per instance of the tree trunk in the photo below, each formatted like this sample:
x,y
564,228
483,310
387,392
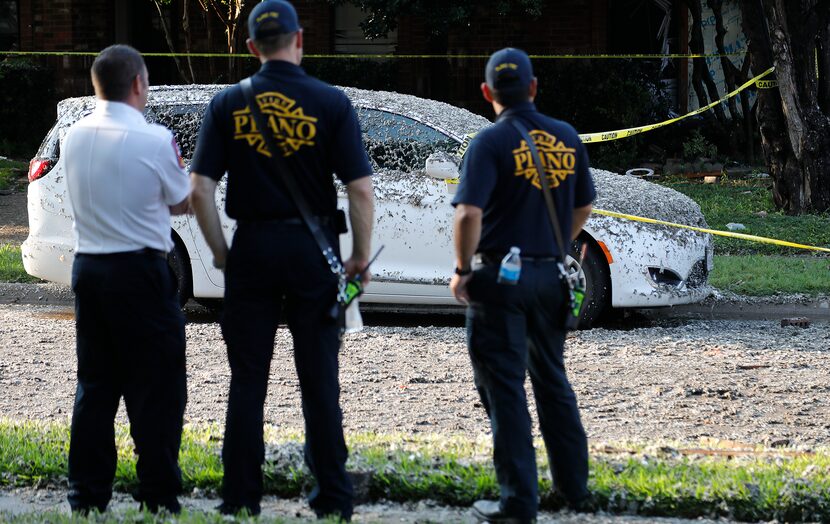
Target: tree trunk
x,y
170,43
188,38
794,120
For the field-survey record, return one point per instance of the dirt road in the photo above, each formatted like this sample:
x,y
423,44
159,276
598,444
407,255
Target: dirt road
x,y
682,381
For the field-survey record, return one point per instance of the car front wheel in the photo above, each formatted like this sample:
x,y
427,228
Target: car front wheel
x,y
593,273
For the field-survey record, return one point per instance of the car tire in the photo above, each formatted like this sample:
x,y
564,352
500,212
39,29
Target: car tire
x,y
213,305
597,284
179,263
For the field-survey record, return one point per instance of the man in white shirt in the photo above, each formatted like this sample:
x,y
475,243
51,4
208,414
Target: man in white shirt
x,y
125,177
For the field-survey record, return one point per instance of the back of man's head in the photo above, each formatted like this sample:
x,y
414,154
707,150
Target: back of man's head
x,y
272,25
114,70
509,75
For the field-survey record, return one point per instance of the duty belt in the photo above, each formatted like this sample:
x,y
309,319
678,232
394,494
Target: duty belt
x,y
489,258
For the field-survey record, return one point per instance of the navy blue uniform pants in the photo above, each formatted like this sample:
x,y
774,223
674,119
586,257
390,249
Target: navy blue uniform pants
x,y
274,269
513,331
130,343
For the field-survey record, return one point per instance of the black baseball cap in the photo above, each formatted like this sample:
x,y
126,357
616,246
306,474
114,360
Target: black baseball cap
x,y
272,18
509,70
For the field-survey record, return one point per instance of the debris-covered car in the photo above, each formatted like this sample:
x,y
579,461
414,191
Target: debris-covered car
x,y
414,145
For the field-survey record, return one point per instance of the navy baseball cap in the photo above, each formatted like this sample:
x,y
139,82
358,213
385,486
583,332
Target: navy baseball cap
x,y
272,18
508,70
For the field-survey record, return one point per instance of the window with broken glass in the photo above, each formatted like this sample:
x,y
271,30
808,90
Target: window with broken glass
x,y
399,143
183,120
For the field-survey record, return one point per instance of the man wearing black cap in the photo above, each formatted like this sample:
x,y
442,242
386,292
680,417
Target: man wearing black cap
x,y
274,265
519,328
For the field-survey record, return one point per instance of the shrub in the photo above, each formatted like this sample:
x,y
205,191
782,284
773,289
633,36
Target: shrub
x,y
603,95
355,72
27,106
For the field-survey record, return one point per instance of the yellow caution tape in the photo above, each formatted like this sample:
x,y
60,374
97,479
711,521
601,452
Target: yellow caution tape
x,y
728,234
385,56
624,133
766,84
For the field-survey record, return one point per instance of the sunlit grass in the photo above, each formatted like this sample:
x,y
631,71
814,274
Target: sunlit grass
x,y
758,484
758,275
741,201
11,265
11,172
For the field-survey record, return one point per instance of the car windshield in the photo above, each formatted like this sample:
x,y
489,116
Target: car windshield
x,y
398,143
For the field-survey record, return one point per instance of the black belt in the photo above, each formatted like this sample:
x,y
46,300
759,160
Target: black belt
x,y
291,221
145,251
490,258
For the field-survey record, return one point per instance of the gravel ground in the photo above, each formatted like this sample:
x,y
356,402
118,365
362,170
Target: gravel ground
x,y
29,500
14,221
749,381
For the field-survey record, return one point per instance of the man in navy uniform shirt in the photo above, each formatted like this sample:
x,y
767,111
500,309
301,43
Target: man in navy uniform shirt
x,y
515,329
274,266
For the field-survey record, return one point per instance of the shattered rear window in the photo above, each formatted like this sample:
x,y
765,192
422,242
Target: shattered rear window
x,y
398,143
183,120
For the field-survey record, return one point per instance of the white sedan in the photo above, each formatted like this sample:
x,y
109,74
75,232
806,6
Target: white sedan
x,y
414,145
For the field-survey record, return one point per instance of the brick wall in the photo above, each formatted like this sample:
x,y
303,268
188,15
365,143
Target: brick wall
x,y
317,21
79,25
565,26
66,25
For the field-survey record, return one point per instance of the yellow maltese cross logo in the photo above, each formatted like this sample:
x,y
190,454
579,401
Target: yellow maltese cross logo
x,y
291,127
558,160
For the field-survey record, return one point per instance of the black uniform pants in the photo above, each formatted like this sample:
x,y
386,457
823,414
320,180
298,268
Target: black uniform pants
x,y
130,343
273,268
513,330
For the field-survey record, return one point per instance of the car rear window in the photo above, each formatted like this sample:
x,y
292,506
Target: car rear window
x,y
183,120
399,143
50,147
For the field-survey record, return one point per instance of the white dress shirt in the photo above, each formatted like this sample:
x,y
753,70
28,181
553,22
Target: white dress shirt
x,y
122,173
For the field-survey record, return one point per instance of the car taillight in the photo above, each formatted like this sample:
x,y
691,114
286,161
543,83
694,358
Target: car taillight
x,y
38,167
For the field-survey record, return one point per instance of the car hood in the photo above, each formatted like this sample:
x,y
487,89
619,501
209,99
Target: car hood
x,y
633,196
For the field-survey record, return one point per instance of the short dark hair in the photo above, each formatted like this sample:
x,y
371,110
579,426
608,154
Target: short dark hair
x,y
511,97
272,44
114,70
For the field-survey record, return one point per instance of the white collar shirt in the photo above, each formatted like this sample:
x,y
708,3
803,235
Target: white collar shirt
x,y
122,175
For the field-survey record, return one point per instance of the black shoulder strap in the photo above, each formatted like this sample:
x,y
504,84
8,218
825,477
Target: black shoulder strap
x,y
543,184
281,166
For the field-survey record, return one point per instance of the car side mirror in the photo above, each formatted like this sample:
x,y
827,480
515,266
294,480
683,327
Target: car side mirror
x,y
441,166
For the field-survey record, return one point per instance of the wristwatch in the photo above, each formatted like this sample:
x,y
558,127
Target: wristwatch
x,y
463,272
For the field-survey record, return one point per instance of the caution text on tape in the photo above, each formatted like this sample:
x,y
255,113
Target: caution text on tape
x,y
766,84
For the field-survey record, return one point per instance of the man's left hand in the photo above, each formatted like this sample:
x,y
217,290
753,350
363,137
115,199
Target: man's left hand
x,y
357,267
458,286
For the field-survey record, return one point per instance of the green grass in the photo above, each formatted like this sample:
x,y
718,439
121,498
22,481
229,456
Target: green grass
x,y
11,172
647,480
11,265
756,275
739,201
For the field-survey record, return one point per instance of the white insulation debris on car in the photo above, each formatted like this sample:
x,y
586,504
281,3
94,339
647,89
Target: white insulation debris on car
x,y
401,132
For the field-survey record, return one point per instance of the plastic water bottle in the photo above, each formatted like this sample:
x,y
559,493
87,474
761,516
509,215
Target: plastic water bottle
x,y
511,267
